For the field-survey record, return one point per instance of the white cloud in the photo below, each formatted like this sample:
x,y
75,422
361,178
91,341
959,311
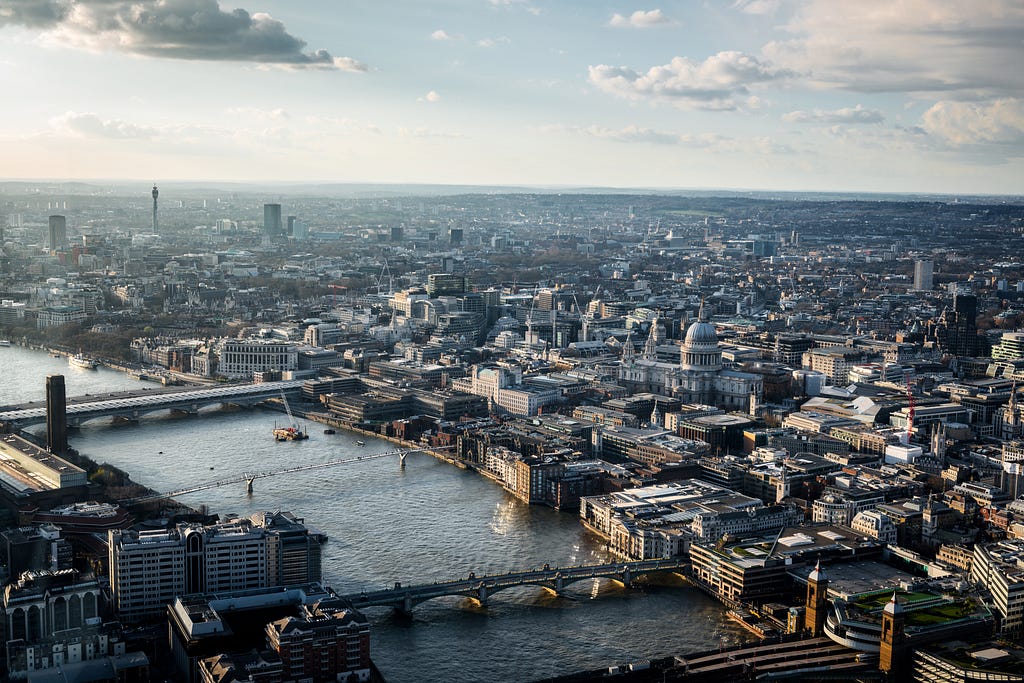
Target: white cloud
x,y
640,19
349,64
756,6
845,115
432,96
259,114
86,124
440,34
720,82
492,42
422,132
960,49
1000,123
638,134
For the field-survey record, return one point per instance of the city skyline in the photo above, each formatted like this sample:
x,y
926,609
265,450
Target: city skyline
x,y
758,94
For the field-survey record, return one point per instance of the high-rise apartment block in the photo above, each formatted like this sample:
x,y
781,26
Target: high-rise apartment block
x,y
272,220
148,569
923,271
58,233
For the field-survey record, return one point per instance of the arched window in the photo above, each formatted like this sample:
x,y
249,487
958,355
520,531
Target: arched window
x,y
89,606
74,611
60,614
18,624
35,623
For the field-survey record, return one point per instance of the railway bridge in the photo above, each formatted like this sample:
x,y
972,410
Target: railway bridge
x,y
133,404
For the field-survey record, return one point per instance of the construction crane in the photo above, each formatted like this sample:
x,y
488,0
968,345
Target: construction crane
x,y
334,293
910,406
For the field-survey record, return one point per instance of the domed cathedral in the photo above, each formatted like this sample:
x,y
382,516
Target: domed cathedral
x,y
699,377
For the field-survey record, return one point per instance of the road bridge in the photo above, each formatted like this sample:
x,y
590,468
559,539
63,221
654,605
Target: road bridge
x,y
480,588
248,478
132,405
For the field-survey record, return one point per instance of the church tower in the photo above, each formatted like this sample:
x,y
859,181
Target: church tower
x,y
816,608
892,656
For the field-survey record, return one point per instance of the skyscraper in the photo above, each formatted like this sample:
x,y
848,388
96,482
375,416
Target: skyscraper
x,y
156,193
58,233
272,220
56,415
923,269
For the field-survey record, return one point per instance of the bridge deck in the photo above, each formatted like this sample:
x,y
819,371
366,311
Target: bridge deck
x,y
151,400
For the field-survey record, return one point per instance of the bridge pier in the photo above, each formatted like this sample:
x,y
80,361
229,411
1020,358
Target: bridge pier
x,y
481,595
406,607
248,485
627,578
558,585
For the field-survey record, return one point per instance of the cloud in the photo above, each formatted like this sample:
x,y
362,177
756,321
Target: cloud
x,y
170,29
756,6
720,82
637,134
92,126
640,19
259,114
440,34
349,64
426,133
31,13
957,49
846,115
492,42
959,124
432,96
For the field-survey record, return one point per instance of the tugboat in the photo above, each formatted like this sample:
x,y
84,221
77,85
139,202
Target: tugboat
x,y
329,431
360,443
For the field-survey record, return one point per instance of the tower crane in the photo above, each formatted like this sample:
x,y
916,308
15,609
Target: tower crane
x,y
910,405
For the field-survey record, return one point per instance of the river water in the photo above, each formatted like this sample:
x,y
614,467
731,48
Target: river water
x,y
427,522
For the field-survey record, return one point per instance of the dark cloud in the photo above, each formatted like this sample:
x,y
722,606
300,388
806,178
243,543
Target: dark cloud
x,y
32,13
172,29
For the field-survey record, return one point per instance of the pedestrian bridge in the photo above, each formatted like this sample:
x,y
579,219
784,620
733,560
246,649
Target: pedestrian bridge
x,y
133,404
480,588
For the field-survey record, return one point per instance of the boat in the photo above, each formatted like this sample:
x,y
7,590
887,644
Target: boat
x,y
80,361
5,342
292,432
329,431
360,443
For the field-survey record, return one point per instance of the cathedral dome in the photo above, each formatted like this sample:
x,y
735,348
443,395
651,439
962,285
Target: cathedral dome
x,y
701,332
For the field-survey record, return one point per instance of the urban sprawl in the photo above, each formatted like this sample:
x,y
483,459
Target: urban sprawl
x,y
809,407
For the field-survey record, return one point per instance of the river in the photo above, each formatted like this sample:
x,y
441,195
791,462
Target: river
x,y
429,521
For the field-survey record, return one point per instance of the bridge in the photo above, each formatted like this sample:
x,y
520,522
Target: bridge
x,y
480,588
249,477
131,405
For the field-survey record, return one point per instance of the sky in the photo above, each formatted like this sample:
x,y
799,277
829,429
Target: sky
x,y
802,95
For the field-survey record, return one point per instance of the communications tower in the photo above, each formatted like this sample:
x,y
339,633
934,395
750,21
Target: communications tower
x,y
156,193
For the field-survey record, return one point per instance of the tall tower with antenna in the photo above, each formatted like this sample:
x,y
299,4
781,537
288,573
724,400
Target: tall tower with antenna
x,y
156,193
